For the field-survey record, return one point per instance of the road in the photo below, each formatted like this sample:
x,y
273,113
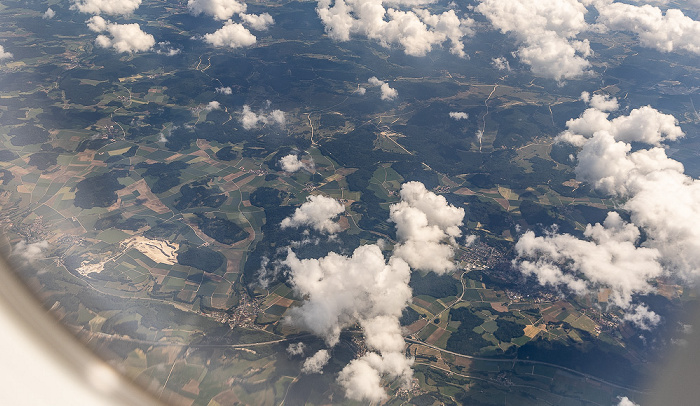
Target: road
x,y
408,340
526,361
106,336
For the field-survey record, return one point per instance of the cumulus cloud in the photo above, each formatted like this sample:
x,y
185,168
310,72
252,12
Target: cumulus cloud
x,y
361,378
341,290
609,257
367,289
469,240
641,316
374,81
665,32
363,288
249,119
602,102
624,401
163,135
652,188
122,37
224,90
318,213
232,35
459,115
30,252
611,167
219,9
110,7
644,124
388,93
97,24
259,22
296,349
213,105
4,54
291,163
164,48
277,117
546,31
417,31
501,63
427,226
315,363
49,14
660,197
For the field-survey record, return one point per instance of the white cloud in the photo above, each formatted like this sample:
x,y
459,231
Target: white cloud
x,y
30,252
124,37
660,197
260,22
556,57
277,117
213,105
624,401
110,7
49,14
232,35
315,363
219,9
408,3
642,317
611,167
501,63
644,124
424,223
3,54
416,31
291,163
296,349
546,31
469,240
361,378
388,93
164,48
97,24
224,90
163,135
360,90
374,81
250,119
459,115
318,213
610,257
602,102
664,32
364,288
341,291
652,188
